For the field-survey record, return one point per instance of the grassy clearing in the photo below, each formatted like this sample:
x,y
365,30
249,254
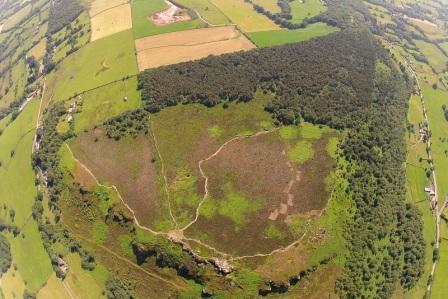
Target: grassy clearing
x,y
435,57
106,102
176,47
301,152
434,99
301,10
111,21
85,284
100,62
15,154
243,14
143,26
207,10
281,37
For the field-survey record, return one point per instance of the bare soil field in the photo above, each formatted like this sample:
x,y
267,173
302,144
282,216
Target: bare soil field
x,y
257,193
111,21
171,15
127,165
175,47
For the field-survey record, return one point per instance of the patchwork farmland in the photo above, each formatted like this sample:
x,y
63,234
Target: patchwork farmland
x,y
217,149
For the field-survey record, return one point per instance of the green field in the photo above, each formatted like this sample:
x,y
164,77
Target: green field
x,y
64,34
304,9
207,10
243,14
440,287
444,46
435,57
434,99
16,171
142,25
280,37
13,84
105,102
416,181
100,62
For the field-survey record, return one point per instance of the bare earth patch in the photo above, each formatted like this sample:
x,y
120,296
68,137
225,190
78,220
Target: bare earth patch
x,y
111,21
171,15
175,47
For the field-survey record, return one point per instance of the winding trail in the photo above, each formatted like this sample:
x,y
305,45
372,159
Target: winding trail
x,y
131,263
116,190
165,179
201,170
177,235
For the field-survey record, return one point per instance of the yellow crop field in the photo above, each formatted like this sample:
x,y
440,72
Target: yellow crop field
x,y
243,14
99,6
53,289
270,5
111,21
175,47
38,51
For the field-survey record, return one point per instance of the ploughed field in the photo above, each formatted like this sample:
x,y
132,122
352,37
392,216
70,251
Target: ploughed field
x,y
175,47
217,176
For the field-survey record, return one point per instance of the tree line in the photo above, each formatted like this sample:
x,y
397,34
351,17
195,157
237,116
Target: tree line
x,y
347,81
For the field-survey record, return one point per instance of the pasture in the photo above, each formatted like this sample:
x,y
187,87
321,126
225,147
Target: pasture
x,y
12,85
281,37
143,26
15,154
105,102
113,20
209,12
243,14
100,62
431,29
301,10
416,181
65,35
435,57
17,17
434,99
175,47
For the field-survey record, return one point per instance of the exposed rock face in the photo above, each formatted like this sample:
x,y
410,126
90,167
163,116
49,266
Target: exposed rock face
x,y
223,266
